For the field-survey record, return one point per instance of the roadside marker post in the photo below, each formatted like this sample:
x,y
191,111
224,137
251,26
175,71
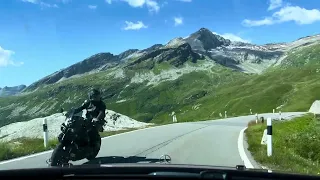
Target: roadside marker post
x,y
256,118
273,111
269,137
250,111
174,117
280,116
45,132
225,114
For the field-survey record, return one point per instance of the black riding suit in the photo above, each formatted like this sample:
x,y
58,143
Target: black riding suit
x,y
95,109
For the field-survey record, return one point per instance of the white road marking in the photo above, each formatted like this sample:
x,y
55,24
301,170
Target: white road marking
x,y
25,157
242,152
50,151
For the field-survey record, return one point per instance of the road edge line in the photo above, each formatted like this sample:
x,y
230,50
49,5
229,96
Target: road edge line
x,y
24,157
49,151
241,150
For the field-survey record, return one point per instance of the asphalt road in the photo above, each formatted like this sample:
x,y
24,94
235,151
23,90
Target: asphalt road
x,y
212,142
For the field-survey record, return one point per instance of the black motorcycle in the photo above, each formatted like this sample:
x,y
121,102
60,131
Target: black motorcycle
x,y
79,139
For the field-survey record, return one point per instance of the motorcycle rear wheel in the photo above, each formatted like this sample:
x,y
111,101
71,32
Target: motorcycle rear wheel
x,y
95,150
58,156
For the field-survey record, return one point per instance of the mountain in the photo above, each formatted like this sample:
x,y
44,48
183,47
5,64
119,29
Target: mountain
x,y
198,77
244,57
9,91
94,63
303,52
204,40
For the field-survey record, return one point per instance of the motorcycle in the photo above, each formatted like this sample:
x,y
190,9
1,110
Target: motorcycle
x,y
79,139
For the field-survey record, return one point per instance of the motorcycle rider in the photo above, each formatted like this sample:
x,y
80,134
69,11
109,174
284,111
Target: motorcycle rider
x,y
95,110
95,106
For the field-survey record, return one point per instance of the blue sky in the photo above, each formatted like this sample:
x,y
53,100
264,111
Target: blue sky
x,y
39,37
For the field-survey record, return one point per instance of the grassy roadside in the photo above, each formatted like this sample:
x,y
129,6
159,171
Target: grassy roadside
x,y
26,146
23,146
296,145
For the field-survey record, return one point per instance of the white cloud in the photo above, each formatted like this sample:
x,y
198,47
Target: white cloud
x,y
274,4
135,3
164,3
185,0
42,4
288,13
134,26
31,1
5,58
178,21
92,7
232,37
108,1
152,5
265,21
297,14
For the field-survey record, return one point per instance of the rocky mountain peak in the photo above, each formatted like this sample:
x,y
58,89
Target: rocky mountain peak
x,y
97,62
204,40
175,42
176,56
9,91
127,53
203,30
152,48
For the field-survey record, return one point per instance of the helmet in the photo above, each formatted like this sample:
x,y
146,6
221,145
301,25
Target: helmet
x,y
94,95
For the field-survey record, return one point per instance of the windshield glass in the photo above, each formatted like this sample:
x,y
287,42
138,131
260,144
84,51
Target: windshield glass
x,y
216,82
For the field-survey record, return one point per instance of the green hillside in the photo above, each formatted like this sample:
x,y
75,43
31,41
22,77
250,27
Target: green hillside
x,y
305,56
197,94
142,102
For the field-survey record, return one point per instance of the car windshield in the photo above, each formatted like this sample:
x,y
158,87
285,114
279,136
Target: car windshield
x,y
215,82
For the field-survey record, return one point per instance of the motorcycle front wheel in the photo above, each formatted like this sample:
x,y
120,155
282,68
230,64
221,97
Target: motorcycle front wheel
x,y
58,156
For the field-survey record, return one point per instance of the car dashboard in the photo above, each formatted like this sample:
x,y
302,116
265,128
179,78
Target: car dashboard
x,y
148,171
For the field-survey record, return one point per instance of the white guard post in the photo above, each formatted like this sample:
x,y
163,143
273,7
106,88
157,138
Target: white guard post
x,y
280,115
250,111
269,137
256,118
45,133
273,111
225,114
174,117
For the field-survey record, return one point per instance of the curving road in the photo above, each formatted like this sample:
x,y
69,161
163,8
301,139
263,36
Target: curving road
x,y
214,142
